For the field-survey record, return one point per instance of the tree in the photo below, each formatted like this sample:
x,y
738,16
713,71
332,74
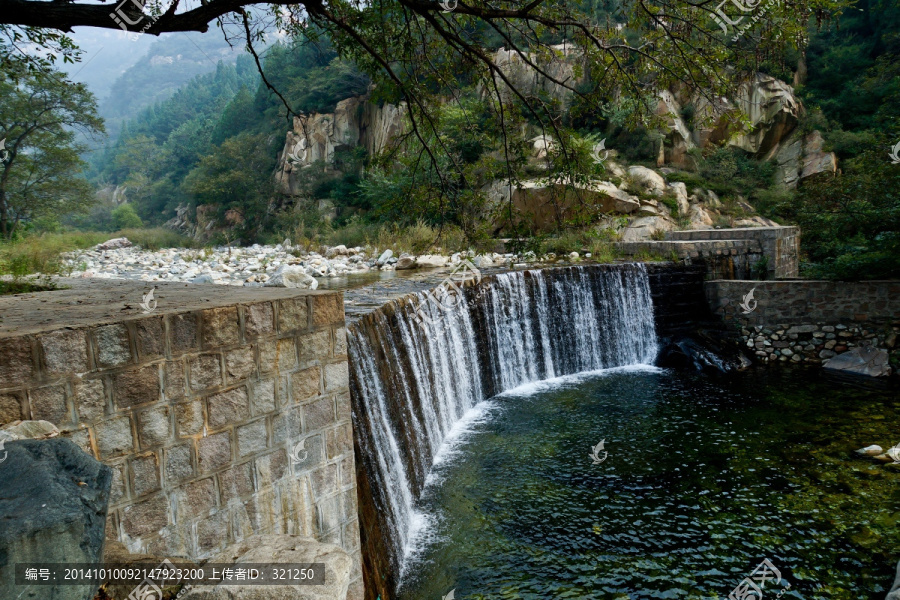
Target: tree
x,y
40,114
236,177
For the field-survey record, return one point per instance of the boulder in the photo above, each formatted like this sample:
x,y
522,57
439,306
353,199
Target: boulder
x,y
873,450
679,189
289,276
384,257
647,180
432,261
337,251
700,218
863,361
293,549
113,244
894,593
756,221
53,509
28,430
643,229
405,262
204,278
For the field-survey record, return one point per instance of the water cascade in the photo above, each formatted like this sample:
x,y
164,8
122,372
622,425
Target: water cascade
x,y
418,367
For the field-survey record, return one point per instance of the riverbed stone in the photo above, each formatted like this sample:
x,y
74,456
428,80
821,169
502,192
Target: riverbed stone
x,y
872,362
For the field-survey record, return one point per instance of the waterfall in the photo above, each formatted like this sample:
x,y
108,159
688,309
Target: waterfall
x,y
413,378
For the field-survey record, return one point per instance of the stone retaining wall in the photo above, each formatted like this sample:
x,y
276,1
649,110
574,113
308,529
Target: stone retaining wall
x,y
780,245
810,321
198,407
721,259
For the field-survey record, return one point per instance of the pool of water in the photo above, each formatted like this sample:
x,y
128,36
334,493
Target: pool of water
x,y
703,478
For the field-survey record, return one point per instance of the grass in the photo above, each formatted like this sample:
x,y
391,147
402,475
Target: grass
x,y
40,253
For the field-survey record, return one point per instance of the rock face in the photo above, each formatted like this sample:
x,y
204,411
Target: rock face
x,y
863,361
773,110
354,122
281,549
53,509
561,68
801,157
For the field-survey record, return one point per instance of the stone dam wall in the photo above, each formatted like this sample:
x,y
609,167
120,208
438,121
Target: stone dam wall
x,y
809,321
197,407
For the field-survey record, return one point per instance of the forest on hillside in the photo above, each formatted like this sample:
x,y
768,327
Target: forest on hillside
x,y
216,141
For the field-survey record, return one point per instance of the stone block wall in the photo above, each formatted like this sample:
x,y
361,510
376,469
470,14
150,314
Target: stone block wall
x,y
780,245
199,412
810,321
721,259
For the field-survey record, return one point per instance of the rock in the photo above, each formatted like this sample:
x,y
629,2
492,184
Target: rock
x,y
205,278
773,111
406,262
384,256
679,189
756,221
281,549
114,244
289,276
647,180
337,251
643,229
573,256
53,509
699,218
540,146
29,430
431,261
116,553
863,361
894,593
870,450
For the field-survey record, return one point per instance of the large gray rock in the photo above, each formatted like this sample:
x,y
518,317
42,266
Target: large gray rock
x,y
643,229
289,276
863,361
114,244
647,180
894,594
281,549
52,510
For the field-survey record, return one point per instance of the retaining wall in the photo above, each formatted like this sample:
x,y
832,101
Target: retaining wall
x,y
810,321
197,406
779,245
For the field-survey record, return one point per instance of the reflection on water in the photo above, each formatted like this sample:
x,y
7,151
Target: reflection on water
x,y
704,479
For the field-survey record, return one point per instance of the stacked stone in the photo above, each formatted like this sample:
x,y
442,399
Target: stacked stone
x,y
199,413
815,343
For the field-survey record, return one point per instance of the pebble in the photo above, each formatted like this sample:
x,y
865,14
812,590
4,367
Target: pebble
x,y
254,265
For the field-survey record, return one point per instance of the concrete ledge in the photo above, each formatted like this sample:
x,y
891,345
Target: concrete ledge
x,y
98,301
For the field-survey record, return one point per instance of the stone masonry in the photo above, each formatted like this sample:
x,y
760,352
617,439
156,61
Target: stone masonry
x,y
779,245
223,412
810,321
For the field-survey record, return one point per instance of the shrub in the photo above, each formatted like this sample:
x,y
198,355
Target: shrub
x,y
124,217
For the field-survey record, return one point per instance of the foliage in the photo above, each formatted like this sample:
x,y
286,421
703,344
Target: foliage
x,y
851,223
236,177
40,113
124,217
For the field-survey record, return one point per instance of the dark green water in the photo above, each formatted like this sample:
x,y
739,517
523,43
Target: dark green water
x,y
704,478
